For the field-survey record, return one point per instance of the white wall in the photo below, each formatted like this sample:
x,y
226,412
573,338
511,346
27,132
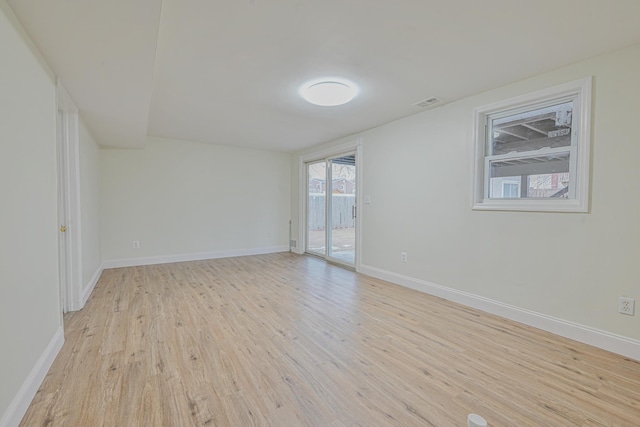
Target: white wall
x,y
30,309
181,198
89,205
418,172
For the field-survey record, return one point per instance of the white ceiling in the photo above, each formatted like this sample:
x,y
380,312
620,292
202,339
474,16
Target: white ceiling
x,y
228,71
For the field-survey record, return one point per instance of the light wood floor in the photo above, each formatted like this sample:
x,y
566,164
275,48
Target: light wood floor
x,y
285,340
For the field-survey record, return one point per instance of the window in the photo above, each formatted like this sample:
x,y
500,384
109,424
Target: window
x,y
532,152
510,190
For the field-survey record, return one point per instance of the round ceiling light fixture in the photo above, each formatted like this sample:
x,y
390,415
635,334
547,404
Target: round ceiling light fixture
x,y
329,92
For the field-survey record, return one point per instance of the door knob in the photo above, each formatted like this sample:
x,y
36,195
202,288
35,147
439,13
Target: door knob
x,y
63,228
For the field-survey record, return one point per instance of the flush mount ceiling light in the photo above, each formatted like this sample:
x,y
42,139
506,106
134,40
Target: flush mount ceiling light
x,y
328,92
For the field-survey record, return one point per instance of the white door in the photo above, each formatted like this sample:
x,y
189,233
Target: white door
x,y
63,216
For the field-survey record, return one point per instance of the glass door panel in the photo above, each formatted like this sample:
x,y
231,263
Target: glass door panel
x,y
342,208
317,208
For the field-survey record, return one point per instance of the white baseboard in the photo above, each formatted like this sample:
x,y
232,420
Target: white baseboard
x,y
20,403
165,259
605,340
91,285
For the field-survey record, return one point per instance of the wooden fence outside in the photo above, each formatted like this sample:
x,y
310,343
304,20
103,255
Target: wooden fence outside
x,y
341,210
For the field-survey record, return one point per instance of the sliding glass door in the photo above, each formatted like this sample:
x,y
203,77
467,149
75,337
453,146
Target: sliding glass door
x,y
331,208
342,208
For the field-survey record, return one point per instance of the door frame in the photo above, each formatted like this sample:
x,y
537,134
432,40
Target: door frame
x,y
330,152
69,196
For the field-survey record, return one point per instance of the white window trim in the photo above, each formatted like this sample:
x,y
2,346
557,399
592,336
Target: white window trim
x,y
581,91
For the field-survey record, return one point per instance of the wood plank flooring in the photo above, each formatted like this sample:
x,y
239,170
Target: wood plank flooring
x,y
286,340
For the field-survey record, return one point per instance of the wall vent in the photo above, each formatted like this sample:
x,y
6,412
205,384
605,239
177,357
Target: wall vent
x,y
428,102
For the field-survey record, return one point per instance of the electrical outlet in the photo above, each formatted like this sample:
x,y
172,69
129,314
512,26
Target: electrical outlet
x,y
626,305
403,256
136,244
293,243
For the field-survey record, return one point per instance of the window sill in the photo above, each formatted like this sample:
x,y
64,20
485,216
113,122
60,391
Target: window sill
x,y
532,205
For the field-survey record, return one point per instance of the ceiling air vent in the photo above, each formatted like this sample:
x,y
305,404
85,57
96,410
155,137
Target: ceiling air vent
x,y
428,102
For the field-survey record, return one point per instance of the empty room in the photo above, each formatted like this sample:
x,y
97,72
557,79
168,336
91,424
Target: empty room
x,y
319,213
